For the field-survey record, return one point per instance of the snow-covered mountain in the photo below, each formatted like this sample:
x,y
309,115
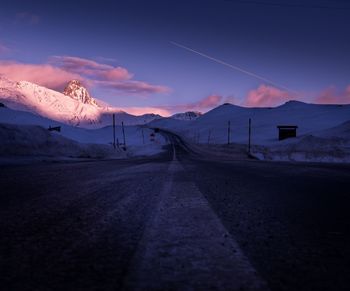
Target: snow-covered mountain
x,y
189,115
75,106
213,125
48,103
77,91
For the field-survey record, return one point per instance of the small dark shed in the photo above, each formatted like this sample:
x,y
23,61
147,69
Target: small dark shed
x,y
56,128
286,131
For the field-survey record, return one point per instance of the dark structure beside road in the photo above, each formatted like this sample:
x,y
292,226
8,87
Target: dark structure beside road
x,y
56,128
287,131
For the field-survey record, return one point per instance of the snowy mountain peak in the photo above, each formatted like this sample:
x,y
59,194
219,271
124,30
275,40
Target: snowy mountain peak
x,y
78,92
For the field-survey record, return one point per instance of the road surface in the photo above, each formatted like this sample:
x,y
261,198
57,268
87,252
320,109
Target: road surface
x,y
177,221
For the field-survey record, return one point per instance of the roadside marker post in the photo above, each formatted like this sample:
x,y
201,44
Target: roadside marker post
x,y
114,130
229,132
249,135
123,134
209,135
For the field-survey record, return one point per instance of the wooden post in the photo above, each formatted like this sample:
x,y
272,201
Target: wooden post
x,y
250,133
228,132
123,134
114,130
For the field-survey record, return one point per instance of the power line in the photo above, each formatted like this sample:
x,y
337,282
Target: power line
x,y
233,67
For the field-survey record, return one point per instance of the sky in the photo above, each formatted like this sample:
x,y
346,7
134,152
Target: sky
x,y
173,56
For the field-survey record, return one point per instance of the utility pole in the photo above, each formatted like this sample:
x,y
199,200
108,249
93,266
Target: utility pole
x,y
114,130
228,132
123,134
143,136
250,133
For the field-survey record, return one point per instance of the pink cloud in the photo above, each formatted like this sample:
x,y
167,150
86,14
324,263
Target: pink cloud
x,y
204,104
61,69
134,87
44,75
106,76
208,102
74,63
331,96
91,68
115,74
268,96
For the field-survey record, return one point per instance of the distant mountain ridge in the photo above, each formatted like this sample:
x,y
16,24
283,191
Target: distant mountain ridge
x,y
213,126
189,115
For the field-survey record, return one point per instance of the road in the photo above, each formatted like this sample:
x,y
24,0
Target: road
x,y
177,221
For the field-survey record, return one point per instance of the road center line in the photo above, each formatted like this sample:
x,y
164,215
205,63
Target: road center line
x,y
186,247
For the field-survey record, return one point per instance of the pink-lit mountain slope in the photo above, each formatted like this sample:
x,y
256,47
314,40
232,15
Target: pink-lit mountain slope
x,y
74,106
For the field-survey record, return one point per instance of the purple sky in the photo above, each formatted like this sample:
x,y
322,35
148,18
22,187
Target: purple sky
x,y
122,50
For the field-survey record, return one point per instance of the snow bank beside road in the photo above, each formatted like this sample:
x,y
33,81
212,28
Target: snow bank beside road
x,y
135,135
308,148
329,145
138,139
31,140
35,141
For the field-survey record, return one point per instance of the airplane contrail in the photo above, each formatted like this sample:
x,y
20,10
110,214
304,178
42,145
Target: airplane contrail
x,y
233,67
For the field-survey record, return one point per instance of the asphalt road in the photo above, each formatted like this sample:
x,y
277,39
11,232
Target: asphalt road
x,y
175,222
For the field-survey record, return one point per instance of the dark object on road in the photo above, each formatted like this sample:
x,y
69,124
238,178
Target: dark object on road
x,y
2,105
56,128
286,131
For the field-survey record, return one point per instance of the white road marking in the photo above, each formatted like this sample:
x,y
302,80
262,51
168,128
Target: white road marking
x,y
186,247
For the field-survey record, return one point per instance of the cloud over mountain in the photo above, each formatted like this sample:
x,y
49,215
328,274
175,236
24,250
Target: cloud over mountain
x,y
203,104
332,96
59,70
266,95
43,74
